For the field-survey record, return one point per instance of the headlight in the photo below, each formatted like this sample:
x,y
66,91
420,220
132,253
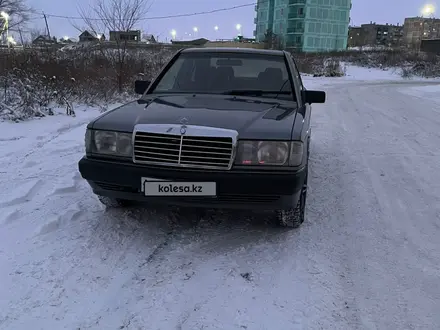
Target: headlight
x,y
275,153
109,143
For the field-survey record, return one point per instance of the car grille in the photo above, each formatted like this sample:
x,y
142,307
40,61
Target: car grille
x,y
183,150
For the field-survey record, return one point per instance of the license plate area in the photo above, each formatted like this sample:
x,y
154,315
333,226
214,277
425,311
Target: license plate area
x,y
159,187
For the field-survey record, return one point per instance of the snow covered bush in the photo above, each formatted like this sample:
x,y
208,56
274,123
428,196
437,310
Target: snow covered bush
x,y
33,81
330,68
25,96
425,70
320,66
409,62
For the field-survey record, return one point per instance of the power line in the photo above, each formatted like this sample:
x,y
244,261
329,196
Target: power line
x,y
160,17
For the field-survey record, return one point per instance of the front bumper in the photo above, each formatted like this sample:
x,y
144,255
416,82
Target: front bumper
x,y
236,189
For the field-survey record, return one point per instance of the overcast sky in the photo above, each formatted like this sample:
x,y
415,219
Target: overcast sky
x,y
381,11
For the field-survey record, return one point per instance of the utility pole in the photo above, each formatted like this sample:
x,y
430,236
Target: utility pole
x,y
21,37
47,25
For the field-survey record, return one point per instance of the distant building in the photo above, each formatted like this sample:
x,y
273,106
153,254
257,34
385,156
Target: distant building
x,y
86,36
355,37
374,34
129,36
195,42
66,41
303,25
44,41
430,46
149,38
417,29
382,34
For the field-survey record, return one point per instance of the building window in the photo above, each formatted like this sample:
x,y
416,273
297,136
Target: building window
x,y
282,12
300,11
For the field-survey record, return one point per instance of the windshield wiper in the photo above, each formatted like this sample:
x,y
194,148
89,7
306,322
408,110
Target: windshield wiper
x,y
254,92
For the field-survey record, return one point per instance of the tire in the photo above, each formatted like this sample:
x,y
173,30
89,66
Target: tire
x,y
293,218
113,202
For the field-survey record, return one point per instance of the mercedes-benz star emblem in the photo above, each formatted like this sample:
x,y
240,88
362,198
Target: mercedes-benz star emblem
x,y
184,122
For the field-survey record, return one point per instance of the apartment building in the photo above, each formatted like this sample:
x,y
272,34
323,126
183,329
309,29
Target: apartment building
x,y
373,34
417,29
304,25
355,37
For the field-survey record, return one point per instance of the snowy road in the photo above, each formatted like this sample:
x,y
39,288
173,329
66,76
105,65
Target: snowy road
x,y
368,256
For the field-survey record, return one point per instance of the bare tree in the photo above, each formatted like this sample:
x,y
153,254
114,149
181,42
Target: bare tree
x,y
114,15
19,12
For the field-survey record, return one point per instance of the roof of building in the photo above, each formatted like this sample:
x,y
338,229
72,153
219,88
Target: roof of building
x,y
194,42
234,50
126,32
86,34
417,18
45,39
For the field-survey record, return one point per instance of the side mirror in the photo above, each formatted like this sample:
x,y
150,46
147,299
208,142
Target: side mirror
x,y
314,97
140,86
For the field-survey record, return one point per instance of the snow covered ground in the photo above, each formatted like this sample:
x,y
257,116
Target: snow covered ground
x,y
367,257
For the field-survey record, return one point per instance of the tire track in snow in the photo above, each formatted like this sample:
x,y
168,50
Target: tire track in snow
x,y
174,260
378,247
25,195
333,171
11,160
57,134
79,272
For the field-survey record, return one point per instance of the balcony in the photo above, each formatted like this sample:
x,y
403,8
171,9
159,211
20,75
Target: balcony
x,y
295,30
256,7
255,20
295,16
297,2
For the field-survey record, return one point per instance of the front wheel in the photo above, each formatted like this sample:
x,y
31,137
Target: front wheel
x,y
293,218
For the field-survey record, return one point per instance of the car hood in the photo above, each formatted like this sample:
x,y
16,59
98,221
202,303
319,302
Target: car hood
x,y
251,117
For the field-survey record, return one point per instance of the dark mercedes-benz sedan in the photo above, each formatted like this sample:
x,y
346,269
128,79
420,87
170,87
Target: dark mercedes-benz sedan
x,y
217,128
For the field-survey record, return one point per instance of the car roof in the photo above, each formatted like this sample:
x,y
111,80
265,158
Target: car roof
x,y
233,50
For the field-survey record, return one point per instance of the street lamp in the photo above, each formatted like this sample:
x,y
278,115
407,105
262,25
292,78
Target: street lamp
x,y
238,27
173,34
5,17
11,41
216,31
195,30
428,10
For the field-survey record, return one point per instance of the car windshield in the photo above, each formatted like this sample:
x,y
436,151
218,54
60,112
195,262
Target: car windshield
x,y
262,75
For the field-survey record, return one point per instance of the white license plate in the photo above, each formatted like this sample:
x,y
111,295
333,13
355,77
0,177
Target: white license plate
x,y
157,187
